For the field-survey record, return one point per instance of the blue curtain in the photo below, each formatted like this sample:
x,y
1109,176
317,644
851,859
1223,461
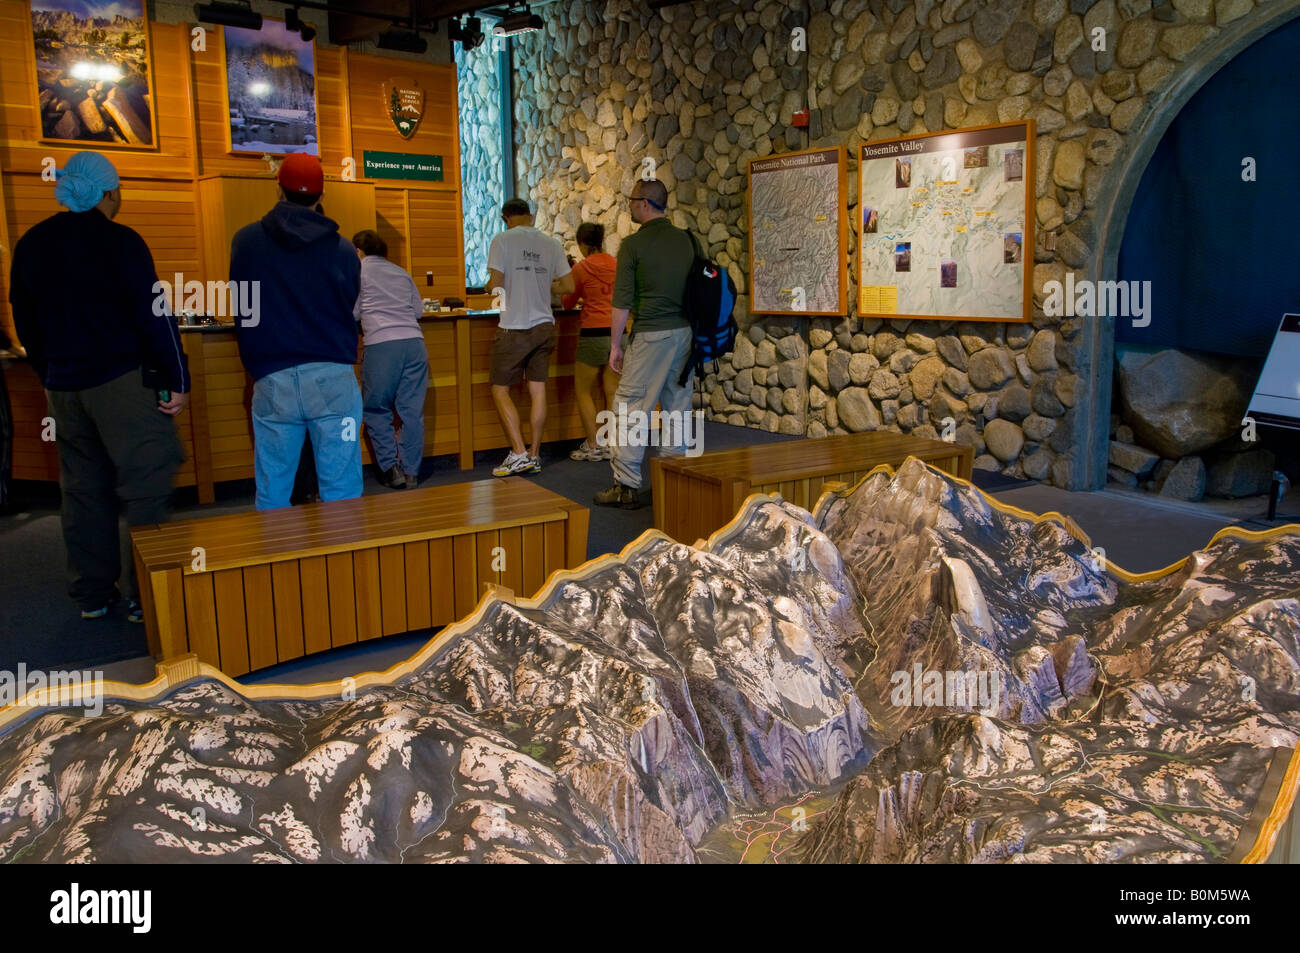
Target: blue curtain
x,y
1221,253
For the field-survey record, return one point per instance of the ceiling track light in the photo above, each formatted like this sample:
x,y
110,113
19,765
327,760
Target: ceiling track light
x,y
469,34
293,22
229,13
403,41
522,21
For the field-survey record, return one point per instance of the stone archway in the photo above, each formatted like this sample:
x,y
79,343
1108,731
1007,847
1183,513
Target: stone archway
x,y
1089,471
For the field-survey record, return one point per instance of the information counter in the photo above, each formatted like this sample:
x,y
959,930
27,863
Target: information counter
x,y
217,430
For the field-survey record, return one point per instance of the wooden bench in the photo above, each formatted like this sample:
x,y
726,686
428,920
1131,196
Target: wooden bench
x,y
694,496
255,589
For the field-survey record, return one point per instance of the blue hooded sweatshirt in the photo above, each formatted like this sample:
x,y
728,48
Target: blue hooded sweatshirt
x,y
308,277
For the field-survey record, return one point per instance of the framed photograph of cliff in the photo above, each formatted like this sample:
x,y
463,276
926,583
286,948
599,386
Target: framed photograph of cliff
x,y
94,80
945,225
271,89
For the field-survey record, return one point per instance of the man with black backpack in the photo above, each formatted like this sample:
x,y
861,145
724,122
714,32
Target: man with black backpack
x,y
653,265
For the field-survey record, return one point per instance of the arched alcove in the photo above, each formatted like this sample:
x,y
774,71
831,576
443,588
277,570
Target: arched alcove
x,y
1112,216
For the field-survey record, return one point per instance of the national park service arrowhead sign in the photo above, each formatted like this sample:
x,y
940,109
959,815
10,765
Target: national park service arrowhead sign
x,y
404,104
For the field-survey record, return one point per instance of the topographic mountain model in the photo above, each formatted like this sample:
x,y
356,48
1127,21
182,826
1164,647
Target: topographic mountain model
x,y
1144,720
911,674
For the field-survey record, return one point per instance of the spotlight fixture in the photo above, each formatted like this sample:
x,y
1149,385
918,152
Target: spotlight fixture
x,y
292,21
469,36
405,41
229,13
520,22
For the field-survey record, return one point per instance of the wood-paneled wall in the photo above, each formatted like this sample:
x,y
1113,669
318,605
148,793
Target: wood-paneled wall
x,y
421,221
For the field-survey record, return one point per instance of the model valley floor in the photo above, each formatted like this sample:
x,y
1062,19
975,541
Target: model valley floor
x,y
910,674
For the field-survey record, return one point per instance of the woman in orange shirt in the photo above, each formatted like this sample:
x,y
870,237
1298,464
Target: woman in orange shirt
x,y
593,279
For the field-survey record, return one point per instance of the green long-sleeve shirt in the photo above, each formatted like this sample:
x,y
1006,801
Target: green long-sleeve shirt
x,y
652,266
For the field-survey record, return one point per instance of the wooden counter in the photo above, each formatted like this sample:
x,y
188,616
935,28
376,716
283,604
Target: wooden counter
x,y
217,431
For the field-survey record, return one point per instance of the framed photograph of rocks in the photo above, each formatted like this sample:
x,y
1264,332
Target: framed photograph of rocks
x,y
94,79
964,214
798,233
271,88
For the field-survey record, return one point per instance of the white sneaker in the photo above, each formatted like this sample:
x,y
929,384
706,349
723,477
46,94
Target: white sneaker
x,y
587,452
514,463
537,464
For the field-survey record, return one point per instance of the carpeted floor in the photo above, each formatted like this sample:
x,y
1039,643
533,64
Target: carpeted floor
x,y
40,627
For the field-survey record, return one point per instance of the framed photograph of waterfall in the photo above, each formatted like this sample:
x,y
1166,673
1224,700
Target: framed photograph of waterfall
x,y
94,75
271,89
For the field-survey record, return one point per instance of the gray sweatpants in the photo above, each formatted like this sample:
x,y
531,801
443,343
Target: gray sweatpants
x,y
653,362
395,377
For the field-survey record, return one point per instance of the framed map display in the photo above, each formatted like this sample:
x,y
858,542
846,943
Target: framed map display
x,y
945,225
798,233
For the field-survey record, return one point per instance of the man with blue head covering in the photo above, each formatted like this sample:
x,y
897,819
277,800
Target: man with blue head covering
x,y
83,294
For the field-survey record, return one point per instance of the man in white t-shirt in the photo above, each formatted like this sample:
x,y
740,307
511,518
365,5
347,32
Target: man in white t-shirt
x,y
523,267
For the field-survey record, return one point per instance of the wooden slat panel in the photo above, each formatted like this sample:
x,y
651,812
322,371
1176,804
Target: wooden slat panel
x,y
169,605
485,546
392,588
575,533
314,575
416,560
288,610
466,569
259,609
232,631
532,548
512,573
554,547
443,590
365,572
343,607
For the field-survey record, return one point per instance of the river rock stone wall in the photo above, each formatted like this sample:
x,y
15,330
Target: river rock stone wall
x,y
478,79
701,90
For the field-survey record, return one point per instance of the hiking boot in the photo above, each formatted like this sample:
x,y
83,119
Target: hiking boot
x,y
619,495
515,463
392,477
587,452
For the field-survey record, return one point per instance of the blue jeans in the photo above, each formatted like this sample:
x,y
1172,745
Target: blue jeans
x,y
323,398
395,377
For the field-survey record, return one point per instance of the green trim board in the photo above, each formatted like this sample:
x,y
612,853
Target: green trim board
x,y
401,165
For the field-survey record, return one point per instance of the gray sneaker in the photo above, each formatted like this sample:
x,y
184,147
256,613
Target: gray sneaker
x,y
514,463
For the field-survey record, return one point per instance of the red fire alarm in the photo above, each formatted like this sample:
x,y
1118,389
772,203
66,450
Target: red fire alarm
x,y
800,118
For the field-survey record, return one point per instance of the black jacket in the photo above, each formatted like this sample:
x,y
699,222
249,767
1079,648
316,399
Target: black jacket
x,y
308,278
82,290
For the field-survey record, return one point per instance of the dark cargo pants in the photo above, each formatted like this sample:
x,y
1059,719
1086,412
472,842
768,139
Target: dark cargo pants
x,y
115,449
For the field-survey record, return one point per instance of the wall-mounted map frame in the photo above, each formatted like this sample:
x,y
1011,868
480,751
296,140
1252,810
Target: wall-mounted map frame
x,y
798,233
946,225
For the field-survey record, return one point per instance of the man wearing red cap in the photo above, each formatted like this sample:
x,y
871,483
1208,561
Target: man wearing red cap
x,y
300,344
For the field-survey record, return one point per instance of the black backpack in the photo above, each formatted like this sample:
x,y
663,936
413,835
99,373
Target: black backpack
x,y
708,303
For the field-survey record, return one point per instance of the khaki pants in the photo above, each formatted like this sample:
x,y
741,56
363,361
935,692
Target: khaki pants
x,y
653,362
116,449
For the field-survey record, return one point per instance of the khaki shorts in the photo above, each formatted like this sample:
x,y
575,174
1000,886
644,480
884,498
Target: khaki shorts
x,y
518,354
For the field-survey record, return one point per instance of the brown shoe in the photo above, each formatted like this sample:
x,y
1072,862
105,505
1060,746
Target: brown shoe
x,y
619,495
